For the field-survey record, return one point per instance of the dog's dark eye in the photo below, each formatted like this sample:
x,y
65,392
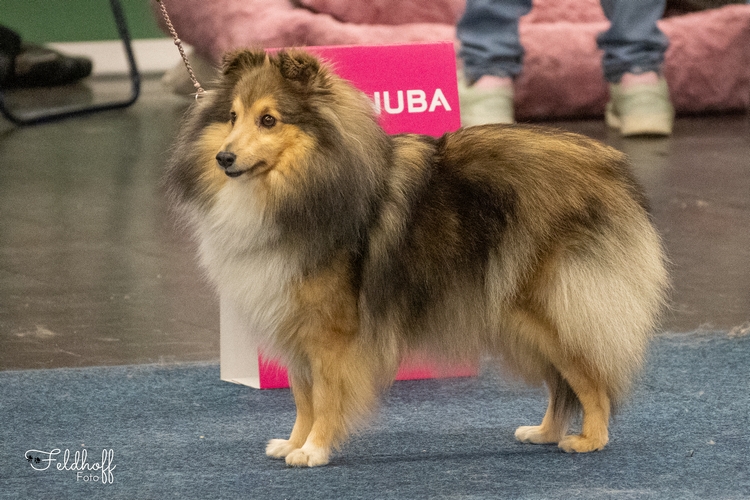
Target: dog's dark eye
x,y
267,121
232,117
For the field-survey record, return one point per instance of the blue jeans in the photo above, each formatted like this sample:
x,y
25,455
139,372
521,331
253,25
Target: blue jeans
x,y
490,43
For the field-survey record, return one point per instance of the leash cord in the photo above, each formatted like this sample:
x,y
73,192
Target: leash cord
x,y
198,89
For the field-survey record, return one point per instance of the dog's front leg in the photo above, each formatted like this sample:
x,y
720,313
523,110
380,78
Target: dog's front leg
x,y
327,426
341,371
302,391
343,392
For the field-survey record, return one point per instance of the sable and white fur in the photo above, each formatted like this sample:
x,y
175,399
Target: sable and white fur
x,y
346,249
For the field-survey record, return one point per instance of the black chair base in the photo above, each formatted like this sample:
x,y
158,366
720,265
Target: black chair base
x,y
37,117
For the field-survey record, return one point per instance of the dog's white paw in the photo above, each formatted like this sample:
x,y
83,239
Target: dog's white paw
x,y
535,434
279,448
307,456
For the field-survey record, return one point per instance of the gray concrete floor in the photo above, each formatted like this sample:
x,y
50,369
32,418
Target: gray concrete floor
x,y
93,270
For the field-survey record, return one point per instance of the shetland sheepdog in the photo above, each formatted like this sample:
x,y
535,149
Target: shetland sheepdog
x,y
346,249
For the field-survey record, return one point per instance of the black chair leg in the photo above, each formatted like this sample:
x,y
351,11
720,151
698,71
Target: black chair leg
x,y
135,81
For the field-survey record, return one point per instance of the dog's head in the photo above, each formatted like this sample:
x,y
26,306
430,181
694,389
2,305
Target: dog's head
x,y
283,130
270,121
260,125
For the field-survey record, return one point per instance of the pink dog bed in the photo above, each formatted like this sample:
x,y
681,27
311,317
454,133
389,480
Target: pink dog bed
x,y
707,65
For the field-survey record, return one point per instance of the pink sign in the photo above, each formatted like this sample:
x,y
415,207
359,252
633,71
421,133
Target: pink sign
x,y
413,88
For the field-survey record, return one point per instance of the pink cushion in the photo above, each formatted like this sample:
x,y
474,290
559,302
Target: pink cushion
x,y
707,65
446,11
708,62
393,12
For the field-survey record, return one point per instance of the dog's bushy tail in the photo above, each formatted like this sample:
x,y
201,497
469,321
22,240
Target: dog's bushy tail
x,y
606,305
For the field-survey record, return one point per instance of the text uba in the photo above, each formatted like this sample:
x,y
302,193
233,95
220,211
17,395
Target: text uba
x,y
410,101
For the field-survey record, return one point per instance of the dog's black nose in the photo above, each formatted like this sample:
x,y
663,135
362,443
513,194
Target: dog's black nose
x,y
225,159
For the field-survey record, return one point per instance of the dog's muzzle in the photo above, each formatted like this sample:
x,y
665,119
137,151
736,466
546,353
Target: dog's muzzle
x,y
226,160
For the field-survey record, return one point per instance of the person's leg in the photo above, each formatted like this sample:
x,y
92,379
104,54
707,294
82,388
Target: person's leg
x,y
633,43
488,32
492,56
634,49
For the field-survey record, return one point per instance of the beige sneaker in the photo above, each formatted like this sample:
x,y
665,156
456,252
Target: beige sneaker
x,y
480,106
640,109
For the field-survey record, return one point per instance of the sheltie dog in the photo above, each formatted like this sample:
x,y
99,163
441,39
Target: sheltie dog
x,y
346,249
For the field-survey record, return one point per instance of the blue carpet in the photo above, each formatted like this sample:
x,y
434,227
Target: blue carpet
x,y
179,432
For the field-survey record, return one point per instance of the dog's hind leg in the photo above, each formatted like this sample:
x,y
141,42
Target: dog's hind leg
x,y
562,404
302,391
596,409
570,384
593,400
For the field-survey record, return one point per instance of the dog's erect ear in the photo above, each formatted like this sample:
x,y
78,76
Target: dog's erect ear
x,y
298,66
239,60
